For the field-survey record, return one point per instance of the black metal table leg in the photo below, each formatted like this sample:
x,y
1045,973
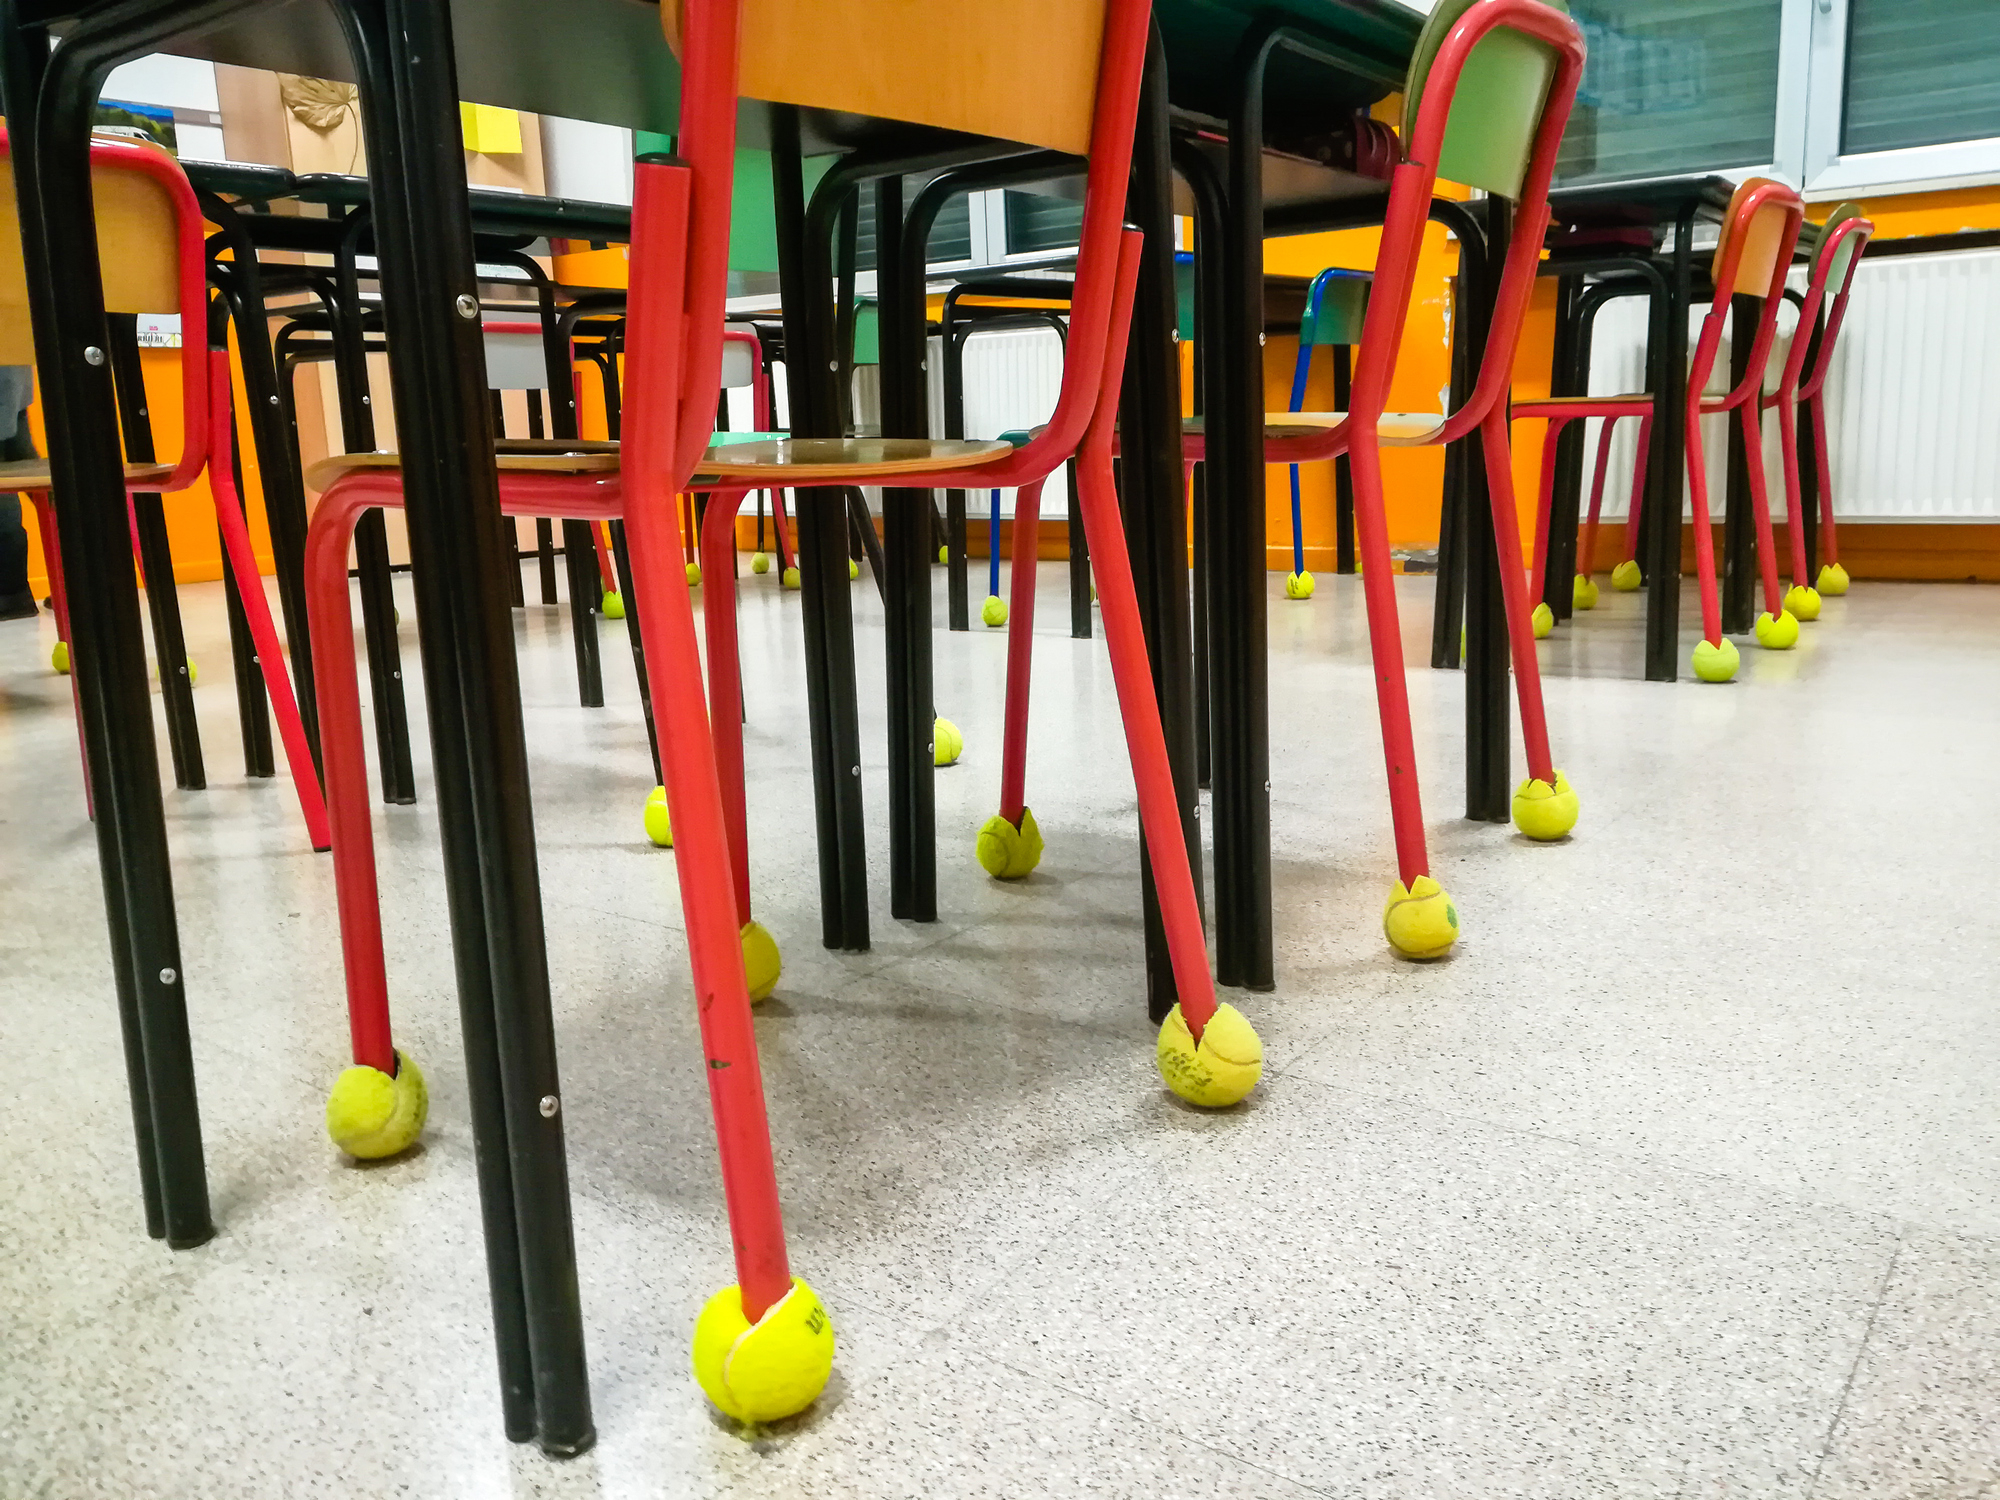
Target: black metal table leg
x,y
906,520
51,97
1343,472
1569,375
371,537
156,557
1487,742
1660,527
1739,537
1155,516
825,605
1080,623
283,487
458,547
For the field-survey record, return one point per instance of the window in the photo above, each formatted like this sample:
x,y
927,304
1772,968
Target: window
x,y
1842,96
951,232
1670,85
1037,225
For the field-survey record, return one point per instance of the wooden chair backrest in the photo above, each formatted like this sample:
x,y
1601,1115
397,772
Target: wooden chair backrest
x,y
137,244
1765,237
1018,70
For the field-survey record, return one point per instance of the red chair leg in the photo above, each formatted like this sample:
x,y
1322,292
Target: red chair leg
x,y
1420,920
725,681
1545,506
257,609
1586,562
1715,658
1760,515
1829,538
1020,651
787,555
606,569
1638,500
708,900
1520,632
330,614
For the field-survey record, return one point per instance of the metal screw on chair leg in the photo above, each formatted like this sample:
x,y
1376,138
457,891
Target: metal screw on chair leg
x,y
549,1106
93,355
854,770
468,307
168,976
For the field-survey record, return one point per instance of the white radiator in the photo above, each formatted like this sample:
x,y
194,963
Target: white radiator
x,y
1912,399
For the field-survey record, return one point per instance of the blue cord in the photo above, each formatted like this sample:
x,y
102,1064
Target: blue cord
x,y
993,550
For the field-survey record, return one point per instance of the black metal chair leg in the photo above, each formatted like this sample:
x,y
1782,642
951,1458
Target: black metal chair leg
x,y
458,547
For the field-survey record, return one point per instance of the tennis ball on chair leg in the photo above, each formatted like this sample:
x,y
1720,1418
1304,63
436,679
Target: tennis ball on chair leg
x,y
372,1115
1780,634
775,1367
1833,579
1626,577
1544,812
789,578
1219,1069
1006,852
1716,663
1420,920
762,963
613,605
1802,601
853,570
59,658
944,554
1543,620
760,562
994,611
694,574
1298,585
947,743
1583,593
659,822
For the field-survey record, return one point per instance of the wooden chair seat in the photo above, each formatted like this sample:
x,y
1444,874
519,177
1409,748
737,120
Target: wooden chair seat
x,y
513,455
792,461
1398,429
33,474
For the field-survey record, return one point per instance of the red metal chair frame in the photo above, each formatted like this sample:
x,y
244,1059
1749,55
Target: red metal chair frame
x,y
1743,400
674,328
206,446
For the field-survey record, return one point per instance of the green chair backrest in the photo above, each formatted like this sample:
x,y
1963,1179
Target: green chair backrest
x,y
1498,105
1336,307
1844,256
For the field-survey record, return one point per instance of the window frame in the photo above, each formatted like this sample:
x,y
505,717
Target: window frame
x,y
1827,172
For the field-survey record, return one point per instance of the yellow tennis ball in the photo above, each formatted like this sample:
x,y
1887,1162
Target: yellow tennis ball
x,y
1543,620
1006,852
1802,601
1780,634
947,743
193,672
1583,593
760,562
1420,920
1298,585
1716,663
994,611
1219,1069
853,570
1544,812
59,658
789,578
613,605
659,822
944,554
371,1115
775,1367
762,963
1626,576
694,574
1833,579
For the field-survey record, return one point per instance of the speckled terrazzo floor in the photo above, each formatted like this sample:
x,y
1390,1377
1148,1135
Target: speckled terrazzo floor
x,y
1682,1179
